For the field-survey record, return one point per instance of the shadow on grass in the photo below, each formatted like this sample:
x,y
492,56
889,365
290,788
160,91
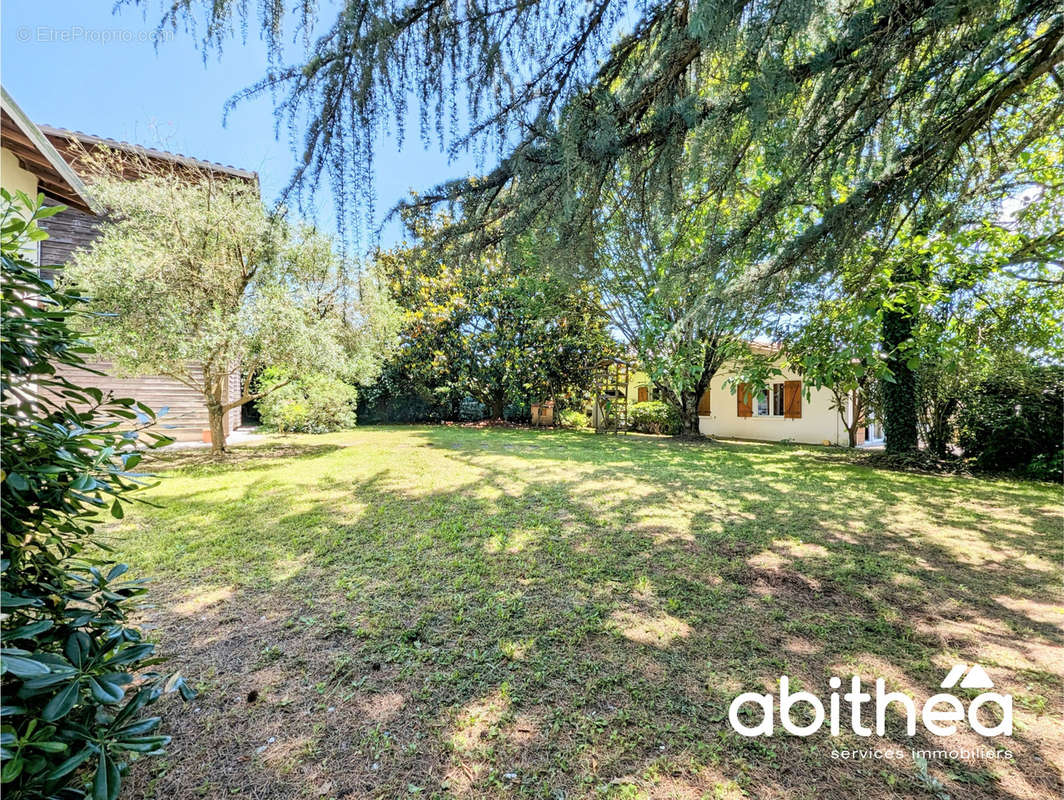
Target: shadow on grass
x,y
262,456
560,614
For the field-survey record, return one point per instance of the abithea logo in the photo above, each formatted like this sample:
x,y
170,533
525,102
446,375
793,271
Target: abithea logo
x,y
939,712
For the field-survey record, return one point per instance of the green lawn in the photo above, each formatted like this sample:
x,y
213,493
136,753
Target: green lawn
x,y
450,611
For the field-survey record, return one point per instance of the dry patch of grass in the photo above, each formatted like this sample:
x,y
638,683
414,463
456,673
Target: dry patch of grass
x,y
480,613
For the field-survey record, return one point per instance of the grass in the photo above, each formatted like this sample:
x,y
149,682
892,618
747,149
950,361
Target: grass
x,y
457,612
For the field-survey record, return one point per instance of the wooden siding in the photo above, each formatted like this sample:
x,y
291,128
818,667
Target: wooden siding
x,y
67,231
186,417
232,418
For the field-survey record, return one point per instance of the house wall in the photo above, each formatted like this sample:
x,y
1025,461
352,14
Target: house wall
x,y
186,417
819,421
637,381
67,231
13,177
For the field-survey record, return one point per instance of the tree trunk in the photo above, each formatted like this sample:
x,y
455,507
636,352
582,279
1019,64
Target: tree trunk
x,y
846,402
214,385
686,402
900,424
939,430
689,414
498,405
216,417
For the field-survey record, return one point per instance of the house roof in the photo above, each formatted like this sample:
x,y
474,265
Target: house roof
x,y
37,155
63,139
765,348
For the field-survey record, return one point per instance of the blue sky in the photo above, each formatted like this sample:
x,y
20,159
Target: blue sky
x,y
74,64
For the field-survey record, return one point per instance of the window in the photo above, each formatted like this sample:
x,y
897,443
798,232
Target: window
x,y
646,393
769,402
777,400
761,404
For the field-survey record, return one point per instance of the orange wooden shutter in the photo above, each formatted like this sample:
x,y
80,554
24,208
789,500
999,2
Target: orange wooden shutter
x,y
743,400
703,404
641,394
792,399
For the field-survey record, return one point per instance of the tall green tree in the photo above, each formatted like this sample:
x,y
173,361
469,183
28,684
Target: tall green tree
x,y
501,328
196,280
848,110
844,123
999,214
682,332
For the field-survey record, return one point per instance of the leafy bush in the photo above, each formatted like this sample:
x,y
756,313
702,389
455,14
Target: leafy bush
x,y
379,409
396,397
73,670
1013,421
654,417
314,404
573,418
1047,467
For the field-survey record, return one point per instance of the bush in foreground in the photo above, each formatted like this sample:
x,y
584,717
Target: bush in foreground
x,y
73,670
1012,421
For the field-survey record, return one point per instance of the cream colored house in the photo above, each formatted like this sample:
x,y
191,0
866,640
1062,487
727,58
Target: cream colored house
x,y
787,410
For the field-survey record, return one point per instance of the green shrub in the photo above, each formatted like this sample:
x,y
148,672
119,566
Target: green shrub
x,y
73,671
654,417
573,418
1013,420
1047,467
314,404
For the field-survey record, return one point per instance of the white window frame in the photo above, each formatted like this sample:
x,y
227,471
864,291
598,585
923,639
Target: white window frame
x,y
772,393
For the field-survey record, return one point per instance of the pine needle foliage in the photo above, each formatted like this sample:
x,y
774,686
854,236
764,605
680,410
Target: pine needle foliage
x,y
846,110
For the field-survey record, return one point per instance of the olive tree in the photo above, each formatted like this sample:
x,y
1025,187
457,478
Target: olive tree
x,y
195,279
